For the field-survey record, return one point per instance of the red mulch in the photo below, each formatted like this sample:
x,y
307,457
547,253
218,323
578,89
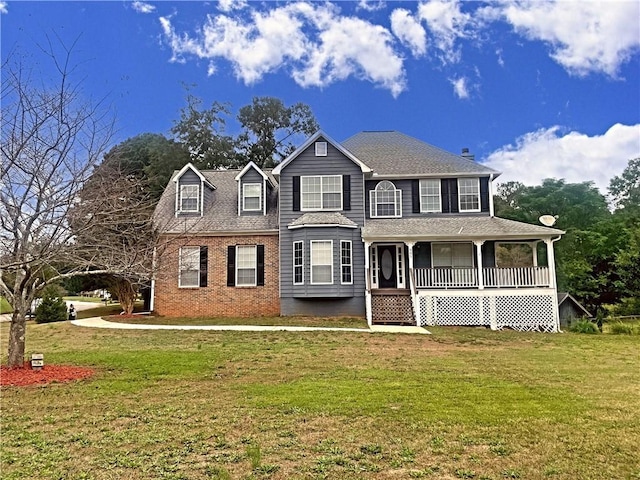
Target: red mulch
x,y
25,375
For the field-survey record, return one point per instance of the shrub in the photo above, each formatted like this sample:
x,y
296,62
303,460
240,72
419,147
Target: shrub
x,y
619,328
584,326
52,308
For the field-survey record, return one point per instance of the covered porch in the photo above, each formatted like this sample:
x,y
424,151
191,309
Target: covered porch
x,y
482,271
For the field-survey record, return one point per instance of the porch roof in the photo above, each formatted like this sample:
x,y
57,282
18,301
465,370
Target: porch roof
x,y
453,228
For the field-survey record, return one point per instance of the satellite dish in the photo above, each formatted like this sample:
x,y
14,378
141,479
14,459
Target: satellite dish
x,y
548,220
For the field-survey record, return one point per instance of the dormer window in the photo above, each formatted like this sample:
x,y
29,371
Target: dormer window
x,y
252,196
321,149
189,198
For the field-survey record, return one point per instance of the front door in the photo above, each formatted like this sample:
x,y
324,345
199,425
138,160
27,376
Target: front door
x,y
387,266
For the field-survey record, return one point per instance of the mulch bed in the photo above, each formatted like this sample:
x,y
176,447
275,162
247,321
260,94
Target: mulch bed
x,y
25,375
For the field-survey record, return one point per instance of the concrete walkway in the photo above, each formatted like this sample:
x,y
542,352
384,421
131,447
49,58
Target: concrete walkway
x,y
97,322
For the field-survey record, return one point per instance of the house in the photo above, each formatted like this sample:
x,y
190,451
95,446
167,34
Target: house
x,y
381,225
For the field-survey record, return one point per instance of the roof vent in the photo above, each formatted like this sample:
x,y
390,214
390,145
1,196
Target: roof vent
x,y
466,154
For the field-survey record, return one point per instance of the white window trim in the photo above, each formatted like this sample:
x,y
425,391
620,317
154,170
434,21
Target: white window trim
x,y
470,244
423,208
182,187
460,209
244,197
255,268
180,261
322,207
301,265
311,243
373,201
350,264
321,149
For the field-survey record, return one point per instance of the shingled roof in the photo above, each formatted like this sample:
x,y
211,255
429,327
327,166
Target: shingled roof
x,y
394,153
454,228
220,209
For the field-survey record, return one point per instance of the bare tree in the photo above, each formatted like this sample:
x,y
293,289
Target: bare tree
x,y
52,138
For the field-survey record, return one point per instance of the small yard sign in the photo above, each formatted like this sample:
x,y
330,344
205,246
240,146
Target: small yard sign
x,y
37,361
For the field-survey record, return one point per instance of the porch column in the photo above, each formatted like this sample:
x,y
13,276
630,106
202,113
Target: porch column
x,y
367,283
551,260
478,244
534,249
412,284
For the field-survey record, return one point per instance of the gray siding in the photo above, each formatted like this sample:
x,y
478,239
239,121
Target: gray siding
x,y
323,307
335,163
407,201
251,176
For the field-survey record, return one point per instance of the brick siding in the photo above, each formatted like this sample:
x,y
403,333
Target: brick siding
x,y
217,299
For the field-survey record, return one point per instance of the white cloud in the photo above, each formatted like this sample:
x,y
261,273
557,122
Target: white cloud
x,y
409,31
312,41
3,7
229,5
585,37
460,87
574,156
371,5
446,23
143,7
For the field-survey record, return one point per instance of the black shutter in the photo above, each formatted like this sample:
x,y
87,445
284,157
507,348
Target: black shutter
x,y
484,194
444,193
260,264
231,265
204,267
415,196
453,195
296,193
346,192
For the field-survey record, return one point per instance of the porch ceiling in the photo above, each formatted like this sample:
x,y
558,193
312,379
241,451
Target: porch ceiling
x,y
454,228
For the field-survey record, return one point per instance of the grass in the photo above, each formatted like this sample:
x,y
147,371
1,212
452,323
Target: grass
x,y
461,403
284,321
78,298
4,306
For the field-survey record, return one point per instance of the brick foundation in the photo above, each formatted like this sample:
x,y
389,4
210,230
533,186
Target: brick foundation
x,y
217,299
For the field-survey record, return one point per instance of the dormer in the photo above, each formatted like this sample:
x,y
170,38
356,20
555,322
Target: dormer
x,y
191,186
253,190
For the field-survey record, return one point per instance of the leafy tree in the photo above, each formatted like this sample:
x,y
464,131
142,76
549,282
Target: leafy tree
x,y
52,308
201,131
625,189
269,128
150,157
268,131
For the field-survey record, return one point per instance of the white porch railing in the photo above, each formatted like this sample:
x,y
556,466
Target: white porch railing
x,y
492,277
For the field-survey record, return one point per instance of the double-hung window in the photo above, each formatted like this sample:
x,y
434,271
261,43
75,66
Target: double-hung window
x,y
189,267
346,264
452,255
321,192
246,265
189,198
298,263
469,194
430,200
385,200
321,262
251,196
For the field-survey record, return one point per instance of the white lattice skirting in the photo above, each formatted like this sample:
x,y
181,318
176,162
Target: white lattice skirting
x,y
525,310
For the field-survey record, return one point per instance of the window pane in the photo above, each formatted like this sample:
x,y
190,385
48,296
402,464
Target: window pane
x,y
189,267
452,255
321,192
321,261
469,192
297,263
246,260
430,195
252,196
189,197
345,261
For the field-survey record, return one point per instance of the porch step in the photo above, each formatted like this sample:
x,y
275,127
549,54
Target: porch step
x,y
392,308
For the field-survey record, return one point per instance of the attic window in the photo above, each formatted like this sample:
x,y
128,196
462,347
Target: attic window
x,y
189,198
321,149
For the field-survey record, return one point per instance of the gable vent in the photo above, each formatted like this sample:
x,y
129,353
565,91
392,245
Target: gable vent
x,y
321,149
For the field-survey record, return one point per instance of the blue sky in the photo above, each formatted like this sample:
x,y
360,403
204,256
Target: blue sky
x,y
533,89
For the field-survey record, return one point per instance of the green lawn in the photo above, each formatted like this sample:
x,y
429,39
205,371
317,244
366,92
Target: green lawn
x,y
461,403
